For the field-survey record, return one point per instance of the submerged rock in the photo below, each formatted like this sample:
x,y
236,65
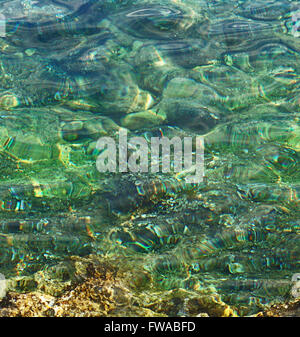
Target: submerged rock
x,y
190,105
3,287
163,247
142,120
111,290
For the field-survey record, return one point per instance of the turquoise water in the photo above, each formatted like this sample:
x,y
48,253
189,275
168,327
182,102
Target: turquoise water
x,y
73,71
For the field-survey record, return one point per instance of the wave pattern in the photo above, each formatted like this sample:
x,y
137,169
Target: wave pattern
x,y
74,71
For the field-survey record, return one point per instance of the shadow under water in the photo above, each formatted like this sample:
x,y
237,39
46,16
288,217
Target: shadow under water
x,y
72,72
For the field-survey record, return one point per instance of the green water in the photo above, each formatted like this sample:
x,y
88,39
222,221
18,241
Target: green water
x,y
72,72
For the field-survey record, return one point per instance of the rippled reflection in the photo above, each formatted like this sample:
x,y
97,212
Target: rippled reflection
x,y
74,71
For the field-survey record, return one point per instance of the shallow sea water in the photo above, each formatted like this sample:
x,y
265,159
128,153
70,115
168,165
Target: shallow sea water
x,y
73,71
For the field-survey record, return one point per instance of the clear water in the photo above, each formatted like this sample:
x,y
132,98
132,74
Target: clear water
x,y
72,71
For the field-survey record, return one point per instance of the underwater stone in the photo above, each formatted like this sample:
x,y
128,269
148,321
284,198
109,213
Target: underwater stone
x,y
235,88
8,101
156,67
142,119
120,94
119,35
190,115
55,280
2,287
30,51
101,126
22,284
115,287
190,105
186,88
27,148
181,88
90,126
200,74
70,130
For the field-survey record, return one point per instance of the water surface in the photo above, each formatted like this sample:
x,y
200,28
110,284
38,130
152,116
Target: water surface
x,y
74,71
